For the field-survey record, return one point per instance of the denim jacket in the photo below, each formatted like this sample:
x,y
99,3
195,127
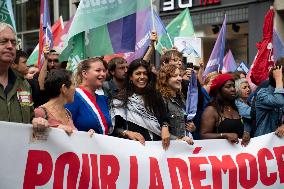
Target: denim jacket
x,y
269,109
244,111
176,115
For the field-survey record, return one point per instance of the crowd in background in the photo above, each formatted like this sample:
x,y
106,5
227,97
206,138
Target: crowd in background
x,y
136,100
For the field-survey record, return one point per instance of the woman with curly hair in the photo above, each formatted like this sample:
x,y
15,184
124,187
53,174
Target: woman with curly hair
x,y
221,119
138,112
169,85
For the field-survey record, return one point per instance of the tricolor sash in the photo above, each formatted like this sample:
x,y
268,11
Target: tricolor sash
x,y
91,101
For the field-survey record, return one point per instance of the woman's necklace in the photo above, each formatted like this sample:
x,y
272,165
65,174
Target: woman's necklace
x,y
227,108
58,114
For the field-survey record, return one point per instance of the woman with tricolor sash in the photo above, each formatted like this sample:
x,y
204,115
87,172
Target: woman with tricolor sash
x,y
89,110
138,111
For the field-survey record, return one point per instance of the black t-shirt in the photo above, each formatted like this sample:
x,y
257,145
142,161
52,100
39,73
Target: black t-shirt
x,y
39,96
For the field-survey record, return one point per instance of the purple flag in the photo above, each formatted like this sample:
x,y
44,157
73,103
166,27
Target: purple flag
x,y
229,63
143,32
278,47
215,62
191,99
47,24
45,32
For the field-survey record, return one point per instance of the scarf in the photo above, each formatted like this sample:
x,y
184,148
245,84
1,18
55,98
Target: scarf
x,y
136,113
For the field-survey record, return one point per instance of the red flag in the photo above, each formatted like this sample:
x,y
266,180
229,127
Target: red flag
x,y
56,29
264,59
62,34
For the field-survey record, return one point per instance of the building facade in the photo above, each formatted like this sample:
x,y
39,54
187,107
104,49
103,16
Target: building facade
x,y
27,13
244,21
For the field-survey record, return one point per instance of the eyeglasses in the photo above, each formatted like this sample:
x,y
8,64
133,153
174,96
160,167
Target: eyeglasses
x,y
6,41
53,60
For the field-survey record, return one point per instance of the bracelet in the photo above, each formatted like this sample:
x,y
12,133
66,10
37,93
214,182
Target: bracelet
x,y
124,133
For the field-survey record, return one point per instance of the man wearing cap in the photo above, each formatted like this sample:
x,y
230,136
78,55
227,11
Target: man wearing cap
x,y
51,61
16,104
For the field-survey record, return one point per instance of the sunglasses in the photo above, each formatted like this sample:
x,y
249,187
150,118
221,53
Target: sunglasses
x,y
53,60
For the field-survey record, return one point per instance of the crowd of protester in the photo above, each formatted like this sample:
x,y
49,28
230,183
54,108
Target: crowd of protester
x,y
135,100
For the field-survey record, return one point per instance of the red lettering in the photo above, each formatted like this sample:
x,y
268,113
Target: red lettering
x,y
208,2
243,171
133,173
279,152
32,177
85,174
73,162
174,164
263,155
95,177
225,165
198,175
108,180
156,181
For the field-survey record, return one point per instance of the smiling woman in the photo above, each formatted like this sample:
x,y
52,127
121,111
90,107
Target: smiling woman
x,y
89,110
138,111
169,85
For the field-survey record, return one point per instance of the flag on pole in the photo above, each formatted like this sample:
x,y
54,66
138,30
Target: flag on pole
x,y
215,62
264,57
243,67
143,34
45,33
229,63
6,13
113,31
57,30
278,46
180,26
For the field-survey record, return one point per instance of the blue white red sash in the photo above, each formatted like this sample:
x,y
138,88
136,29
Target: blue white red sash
x,y
91,101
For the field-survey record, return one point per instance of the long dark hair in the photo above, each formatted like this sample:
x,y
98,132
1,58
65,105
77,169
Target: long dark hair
x,y
218,103
152,99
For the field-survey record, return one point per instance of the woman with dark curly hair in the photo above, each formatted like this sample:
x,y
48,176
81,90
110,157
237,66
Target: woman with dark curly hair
x,y
221,119
169,85
138,112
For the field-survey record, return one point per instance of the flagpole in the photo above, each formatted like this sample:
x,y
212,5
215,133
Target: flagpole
x,y
152,14
46,36
170,39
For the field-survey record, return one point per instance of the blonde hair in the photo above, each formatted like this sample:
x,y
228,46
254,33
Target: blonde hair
x,y
85,65
210,77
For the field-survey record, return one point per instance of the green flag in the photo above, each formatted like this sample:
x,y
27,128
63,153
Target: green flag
x,y
88,35
33,58
6,13
93,14
75,52
181,26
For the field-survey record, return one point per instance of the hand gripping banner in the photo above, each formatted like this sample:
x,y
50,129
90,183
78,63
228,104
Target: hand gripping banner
x,y
81,161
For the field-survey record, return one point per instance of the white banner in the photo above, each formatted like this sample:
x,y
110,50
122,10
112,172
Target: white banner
x,y
78,161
